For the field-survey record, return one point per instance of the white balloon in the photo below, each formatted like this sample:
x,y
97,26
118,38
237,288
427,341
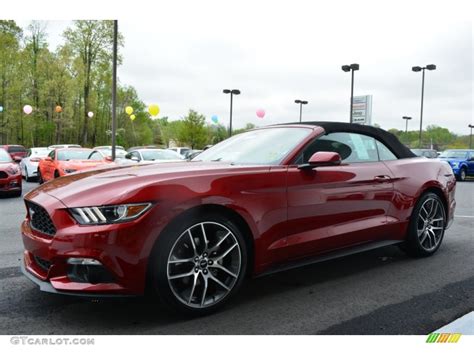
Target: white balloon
x,y
90,114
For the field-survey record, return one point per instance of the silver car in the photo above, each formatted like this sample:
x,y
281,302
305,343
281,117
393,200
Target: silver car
x,y
147,156
29,164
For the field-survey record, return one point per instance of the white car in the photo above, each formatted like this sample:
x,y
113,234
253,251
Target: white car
x,y
180,150
108,147
146,156
29,164
62,146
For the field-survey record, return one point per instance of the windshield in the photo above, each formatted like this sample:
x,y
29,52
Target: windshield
x,y
454,154
160,155
4,156
262,146
119,153
42,152
73,154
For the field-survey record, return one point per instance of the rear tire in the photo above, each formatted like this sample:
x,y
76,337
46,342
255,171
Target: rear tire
x,y
40,177
27,177
212,264
427,226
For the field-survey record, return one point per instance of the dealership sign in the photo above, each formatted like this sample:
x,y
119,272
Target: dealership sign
x,y
362,110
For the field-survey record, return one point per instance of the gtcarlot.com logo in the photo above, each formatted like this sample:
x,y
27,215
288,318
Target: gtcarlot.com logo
x,y
30,340
443,338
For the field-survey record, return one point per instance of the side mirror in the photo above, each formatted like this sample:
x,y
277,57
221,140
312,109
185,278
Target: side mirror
x,y
322,159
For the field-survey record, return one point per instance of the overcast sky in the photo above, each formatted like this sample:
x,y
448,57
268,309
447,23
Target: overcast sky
x,y
181,57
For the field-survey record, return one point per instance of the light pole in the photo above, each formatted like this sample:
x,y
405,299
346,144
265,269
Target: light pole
x,y
114,90
470,136
301,103
232,93
406,118
422,69
351,68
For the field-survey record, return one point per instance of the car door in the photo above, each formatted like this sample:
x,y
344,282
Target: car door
x,y
48,166
337,206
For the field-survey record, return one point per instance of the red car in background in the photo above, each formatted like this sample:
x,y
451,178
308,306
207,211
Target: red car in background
x,y
10,175
17,152
61,162
259,202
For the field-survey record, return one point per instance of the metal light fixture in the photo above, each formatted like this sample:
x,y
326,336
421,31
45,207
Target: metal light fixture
x,y
301,103
351,68
232,93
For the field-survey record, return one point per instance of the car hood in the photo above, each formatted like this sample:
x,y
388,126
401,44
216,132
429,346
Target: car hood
x,y
80,164
120,184
4,166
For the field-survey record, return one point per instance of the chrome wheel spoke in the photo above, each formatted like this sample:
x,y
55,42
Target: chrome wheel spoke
x,y
192,249
432,219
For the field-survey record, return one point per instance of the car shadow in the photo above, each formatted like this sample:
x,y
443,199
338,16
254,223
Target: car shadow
x,y
138,315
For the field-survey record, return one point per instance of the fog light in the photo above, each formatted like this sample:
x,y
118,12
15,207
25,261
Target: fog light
x,y
83,261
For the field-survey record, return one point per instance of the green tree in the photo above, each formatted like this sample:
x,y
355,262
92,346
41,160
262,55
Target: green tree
x,y
193,131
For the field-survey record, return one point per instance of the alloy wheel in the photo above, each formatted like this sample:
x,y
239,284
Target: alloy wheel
x,y
204,264
430,226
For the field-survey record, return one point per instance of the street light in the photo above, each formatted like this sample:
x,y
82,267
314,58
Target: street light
x,y
347,68
232,93
406,118
470,136
301,103
417,69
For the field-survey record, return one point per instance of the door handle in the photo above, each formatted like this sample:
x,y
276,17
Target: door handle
x,y
382,178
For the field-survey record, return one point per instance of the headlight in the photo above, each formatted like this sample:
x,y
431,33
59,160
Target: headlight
x,y
70,171
13,171
109,214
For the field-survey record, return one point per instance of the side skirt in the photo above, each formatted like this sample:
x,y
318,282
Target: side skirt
x,y
329,256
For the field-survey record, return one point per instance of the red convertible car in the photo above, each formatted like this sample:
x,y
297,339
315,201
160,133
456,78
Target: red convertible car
x,y
259,202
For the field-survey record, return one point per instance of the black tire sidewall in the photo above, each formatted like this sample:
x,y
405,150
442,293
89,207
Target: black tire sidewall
x,y
160,254
413,245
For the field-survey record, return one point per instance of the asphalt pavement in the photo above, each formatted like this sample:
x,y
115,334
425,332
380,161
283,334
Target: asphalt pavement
x,y
377,292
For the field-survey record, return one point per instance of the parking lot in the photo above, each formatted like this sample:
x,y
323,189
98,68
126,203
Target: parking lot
x,y
377,292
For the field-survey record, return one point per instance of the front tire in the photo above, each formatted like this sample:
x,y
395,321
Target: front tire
x,y
427,226
462,174
198,265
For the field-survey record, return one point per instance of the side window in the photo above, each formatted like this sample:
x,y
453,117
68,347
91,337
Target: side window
x,y
52,154
384,152
29,153
352,147
95,156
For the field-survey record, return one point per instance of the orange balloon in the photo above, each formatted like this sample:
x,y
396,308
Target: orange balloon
x,y
58,109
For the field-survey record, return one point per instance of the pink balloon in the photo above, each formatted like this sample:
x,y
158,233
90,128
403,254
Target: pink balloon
x,y
260,113
27,109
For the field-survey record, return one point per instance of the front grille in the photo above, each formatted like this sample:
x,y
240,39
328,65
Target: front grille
x,y
44,264
40,220
3,175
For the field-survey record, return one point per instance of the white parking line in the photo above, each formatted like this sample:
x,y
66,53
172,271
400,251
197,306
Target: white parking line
x,y
463,216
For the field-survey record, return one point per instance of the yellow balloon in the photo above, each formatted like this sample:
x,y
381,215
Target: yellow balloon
x,y
154,110
129,110
132,117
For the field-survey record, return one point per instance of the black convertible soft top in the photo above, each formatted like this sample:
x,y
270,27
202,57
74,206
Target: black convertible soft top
x,y
387,138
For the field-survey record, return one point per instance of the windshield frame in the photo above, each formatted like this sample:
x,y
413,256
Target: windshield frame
x,y
7,155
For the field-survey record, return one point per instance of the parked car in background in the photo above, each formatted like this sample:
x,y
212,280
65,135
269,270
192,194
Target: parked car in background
x,y
105,154
62,146
180,150
146,156
10,175
262,201
192,153
60,162
461,161
17,152
29,164
151,146
427,153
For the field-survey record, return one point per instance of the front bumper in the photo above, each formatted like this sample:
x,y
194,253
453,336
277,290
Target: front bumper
x,y
121,249
10,183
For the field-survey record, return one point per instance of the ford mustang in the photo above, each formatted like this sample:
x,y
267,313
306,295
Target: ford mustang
x,y
262,201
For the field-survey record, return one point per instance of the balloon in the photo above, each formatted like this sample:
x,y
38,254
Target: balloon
x,y
132,117
154,110
260,113
58,109
27,109
129,110
90,114
214,118
1,108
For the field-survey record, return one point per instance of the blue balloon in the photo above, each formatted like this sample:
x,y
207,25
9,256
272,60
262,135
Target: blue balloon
x,y
214,118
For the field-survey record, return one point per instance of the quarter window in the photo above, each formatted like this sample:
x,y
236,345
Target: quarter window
x,y
384,152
